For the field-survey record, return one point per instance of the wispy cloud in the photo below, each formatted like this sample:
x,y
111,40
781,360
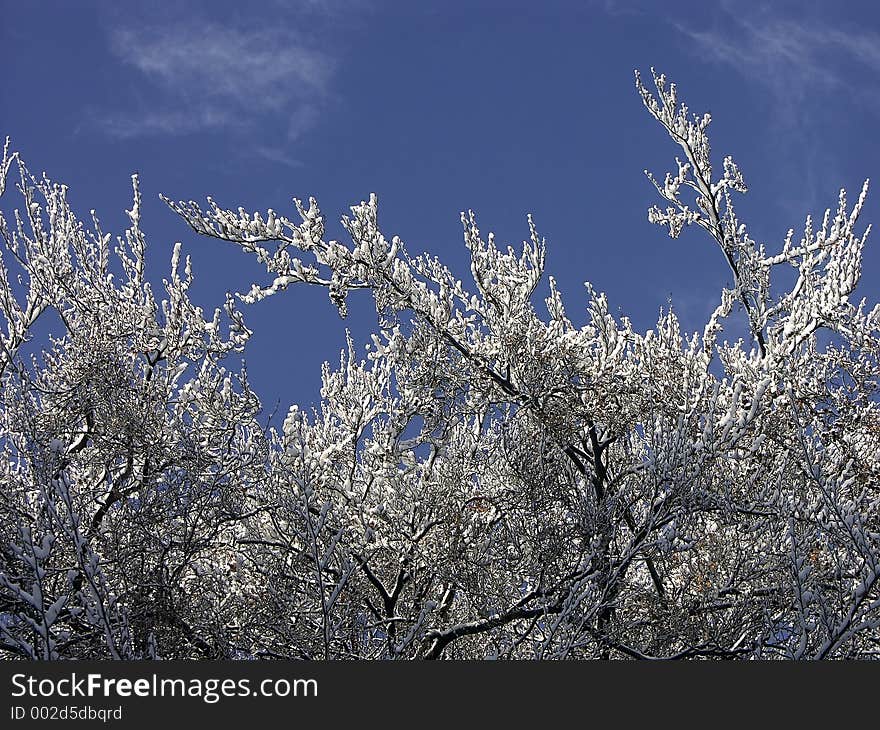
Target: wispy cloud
x,y
815,72
275,154
792,57
203,76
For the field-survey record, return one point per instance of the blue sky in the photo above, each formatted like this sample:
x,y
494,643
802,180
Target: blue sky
x,y
505,108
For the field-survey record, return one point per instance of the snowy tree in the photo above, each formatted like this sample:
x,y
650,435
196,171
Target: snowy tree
x,y
484,480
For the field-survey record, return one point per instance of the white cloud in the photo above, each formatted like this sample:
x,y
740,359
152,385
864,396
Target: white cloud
x,y
205,76
815,71
165,121
301,120
277,155
792,57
